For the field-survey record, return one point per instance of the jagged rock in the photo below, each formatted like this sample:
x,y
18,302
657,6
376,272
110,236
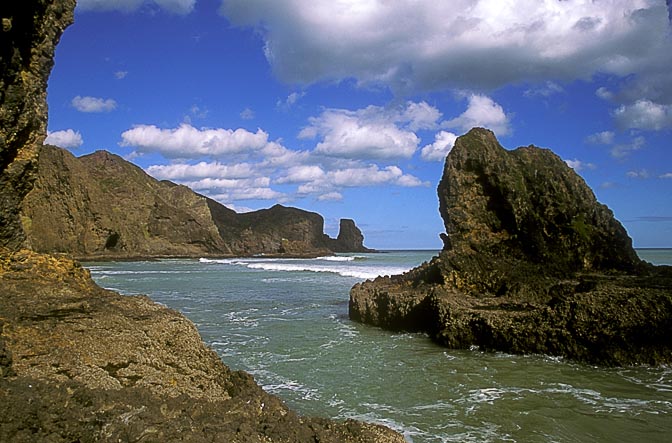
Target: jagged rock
x,y
80,363
102,206
29,34
531,263
350,238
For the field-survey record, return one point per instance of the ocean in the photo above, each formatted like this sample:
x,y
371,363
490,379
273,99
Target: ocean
x,y
286,322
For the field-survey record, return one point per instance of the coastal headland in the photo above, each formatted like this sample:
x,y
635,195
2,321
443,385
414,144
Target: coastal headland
x,y
531,263
80,363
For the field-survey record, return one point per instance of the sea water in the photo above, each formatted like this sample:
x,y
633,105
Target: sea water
x,y
286,322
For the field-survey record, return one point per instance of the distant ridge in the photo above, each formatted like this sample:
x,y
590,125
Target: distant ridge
x,y
101,206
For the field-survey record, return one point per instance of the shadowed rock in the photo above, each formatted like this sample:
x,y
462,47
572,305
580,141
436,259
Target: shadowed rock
x,y
531,263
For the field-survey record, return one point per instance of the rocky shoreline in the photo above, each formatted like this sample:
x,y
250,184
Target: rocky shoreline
x,y
81,363
532,263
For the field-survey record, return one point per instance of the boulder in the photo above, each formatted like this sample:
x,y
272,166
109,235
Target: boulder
x,y
531,263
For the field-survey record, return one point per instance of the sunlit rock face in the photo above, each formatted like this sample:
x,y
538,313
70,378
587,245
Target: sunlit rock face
x,y
531,263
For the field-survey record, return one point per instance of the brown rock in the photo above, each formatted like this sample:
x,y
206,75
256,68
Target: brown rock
x,y
532,263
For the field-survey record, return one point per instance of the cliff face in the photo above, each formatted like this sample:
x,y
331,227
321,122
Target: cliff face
x,y
29,34
532,263
100,205
79,363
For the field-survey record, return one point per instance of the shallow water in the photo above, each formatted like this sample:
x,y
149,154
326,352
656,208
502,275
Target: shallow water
x,y
285,321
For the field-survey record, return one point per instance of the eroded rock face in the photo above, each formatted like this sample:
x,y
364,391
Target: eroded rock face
x,y
80,363
532,263
29,34
350,238
102,206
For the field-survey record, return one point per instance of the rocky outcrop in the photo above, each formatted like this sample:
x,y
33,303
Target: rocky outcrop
x,y
102,206
350,238
531,263
29,34
79,363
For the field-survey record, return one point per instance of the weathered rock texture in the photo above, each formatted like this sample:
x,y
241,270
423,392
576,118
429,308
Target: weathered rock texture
x,y
531,263
101,206
79,363
29,34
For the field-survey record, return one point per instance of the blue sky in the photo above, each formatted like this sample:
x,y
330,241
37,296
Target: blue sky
x,y
348,108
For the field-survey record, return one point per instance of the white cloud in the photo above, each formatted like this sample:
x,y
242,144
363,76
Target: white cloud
x,y
247,114
186,141
371,133
65,139
359,176
644,114
437,151
174,6
120,75
639,174
330,196
290,100
578,165
604,93
601,138
458,44
482,111
547,89
182,171
666,175
93,104
622,150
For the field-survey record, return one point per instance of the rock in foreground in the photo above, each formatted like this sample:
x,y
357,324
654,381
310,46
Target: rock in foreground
x,y
80,363
531,263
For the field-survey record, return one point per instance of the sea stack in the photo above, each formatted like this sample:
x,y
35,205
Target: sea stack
x,y
531,263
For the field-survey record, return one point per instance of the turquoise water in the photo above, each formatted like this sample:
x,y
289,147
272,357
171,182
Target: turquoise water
x,y
286,322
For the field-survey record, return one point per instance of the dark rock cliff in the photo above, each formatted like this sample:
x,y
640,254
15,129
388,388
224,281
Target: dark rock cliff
x,y
102,206
29,34
80,363
531,263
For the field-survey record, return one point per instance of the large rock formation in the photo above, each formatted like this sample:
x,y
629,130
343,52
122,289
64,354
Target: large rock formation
x,y
102,206
79,363
531,263
29,34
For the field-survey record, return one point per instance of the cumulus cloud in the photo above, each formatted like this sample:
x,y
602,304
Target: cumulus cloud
x,y
67,138
437,151
93,104
459,44
484,112
241,165
371,175
247,114
186,141
291,100
601,138
638,174
373,132
183,171
622,150
579,165
174,6
644,114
